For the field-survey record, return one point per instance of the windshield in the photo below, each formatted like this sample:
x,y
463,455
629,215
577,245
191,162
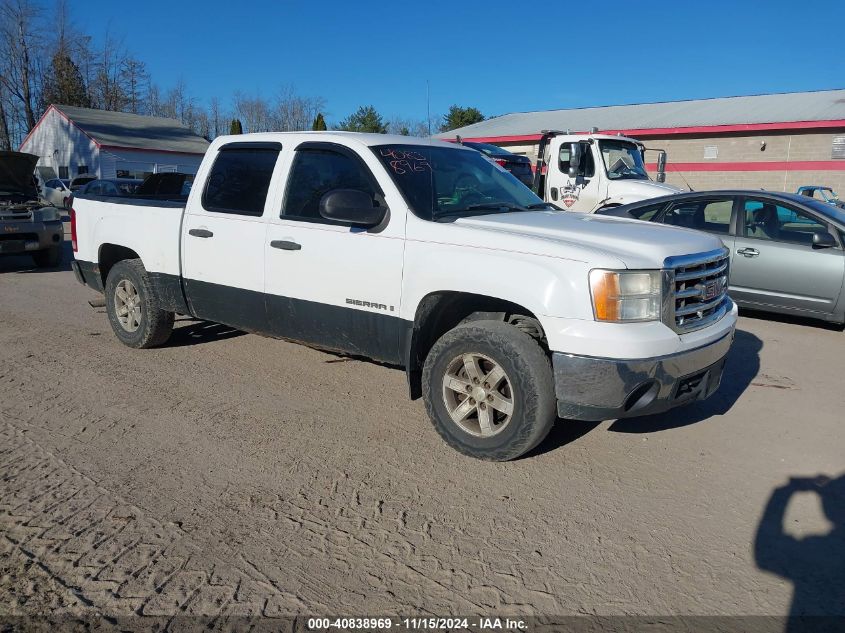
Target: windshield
x,y
128,187
622,160
445,182
834,213
828,195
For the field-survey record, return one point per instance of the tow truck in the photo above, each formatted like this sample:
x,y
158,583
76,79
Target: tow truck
x,y
588,172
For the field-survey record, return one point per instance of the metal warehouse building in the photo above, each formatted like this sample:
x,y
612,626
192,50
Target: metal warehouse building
x,y
72,141
776,142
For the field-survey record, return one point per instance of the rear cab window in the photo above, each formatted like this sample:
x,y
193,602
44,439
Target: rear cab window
x,y
240,178
647,213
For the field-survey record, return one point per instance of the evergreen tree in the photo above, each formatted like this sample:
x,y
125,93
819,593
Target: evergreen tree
x,y
459,117
65,84
319,124
236,127
365,119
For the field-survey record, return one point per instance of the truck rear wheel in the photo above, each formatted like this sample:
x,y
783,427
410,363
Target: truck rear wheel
x,y
134,313
489,391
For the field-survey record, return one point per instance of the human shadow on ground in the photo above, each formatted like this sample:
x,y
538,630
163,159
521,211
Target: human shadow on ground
x,y
815,564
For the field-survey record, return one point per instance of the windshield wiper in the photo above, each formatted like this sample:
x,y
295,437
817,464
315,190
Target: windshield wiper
x,y
495,205
474,209
541,205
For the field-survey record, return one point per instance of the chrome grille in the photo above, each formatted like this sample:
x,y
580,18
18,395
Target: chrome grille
x,y
698,287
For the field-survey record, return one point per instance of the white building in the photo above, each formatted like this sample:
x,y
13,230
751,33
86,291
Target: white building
x,y
73,141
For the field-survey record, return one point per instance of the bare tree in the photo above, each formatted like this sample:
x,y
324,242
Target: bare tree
x,y
254,112
216,119
408,127
133,77
201,124
5,133
292,112
107,88
20,57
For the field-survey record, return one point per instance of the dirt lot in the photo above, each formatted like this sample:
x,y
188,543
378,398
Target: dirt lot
x,y
227,473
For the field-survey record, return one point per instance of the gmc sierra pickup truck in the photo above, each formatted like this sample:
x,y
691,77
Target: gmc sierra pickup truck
x,y
504,311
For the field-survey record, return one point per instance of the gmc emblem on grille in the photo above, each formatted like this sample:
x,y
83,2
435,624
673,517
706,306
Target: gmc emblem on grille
x,y
710,290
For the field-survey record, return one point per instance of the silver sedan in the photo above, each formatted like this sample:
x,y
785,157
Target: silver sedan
x,y
787,251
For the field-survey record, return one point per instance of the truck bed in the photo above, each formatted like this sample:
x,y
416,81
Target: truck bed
x,y
150,228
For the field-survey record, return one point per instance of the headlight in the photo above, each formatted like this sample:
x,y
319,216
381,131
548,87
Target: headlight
x,y
626,295
47,214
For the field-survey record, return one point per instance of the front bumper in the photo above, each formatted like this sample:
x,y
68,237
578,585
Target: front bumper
x,y
608,388
26,237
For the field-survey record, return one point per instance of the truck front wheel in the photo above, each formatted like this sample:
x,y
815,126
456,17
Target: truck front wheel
x,y
489,391
134,313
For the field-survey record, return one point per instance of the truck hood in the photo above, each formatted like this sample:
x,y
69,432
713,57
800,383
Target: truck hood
x,y
596,239
16,171
626,191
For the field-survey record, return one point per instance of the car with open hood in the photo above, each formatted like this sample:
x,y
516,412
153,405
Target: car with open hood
x,y
27,226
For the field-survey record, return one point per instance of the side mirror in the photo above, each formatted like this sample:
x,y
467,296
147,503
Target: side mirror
x,y
822,239
574,159
661,166
352,206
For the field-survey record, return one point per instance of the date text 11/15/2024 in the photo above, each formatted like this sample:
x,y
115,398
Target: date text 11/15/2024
x,y
416,624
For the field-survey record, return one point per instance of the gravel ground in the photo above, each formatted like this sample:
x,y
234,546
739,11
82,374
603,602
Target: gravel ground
x,y
231,474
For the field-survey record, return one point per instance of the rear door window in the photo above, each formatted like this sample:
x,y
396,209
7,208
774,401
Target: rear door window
x,y
239,180
713,216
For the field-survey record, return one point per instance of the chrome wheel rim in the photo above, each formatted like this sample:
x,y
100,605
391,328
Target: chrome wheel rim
x,y
127,305
478,395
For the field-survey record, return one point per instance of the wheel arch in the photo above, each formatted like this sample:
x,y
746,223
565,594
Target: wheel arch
x,y
440,311
109,254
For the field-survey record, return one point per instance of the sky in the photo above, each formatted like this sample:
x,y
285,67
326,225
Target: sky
x,y
497,56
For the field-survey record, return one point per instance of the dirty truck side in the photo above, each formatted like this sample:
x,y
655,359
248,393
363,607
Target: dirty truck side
x,y
504,311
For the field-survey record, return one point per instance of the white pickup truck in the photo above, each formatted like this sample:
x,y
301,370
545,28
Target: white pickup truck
x,y
504,311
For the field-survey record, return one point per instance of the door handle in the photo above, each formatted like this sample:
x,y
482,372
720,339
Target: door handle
x,y
748,252
200,233
286,245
